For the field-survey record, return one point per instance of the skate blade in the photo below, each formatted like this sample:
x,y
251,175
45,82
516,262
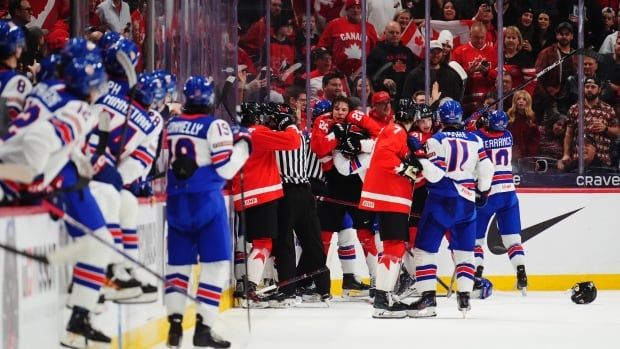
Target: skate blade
x,y
524,291
254,305
464,313
355,293
144,298
388,314
74,341
428,312
111,294
359,299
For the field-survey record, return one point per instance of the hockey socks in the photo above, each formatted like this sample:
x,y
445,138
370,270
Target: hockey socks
x,y
425,270
261,250
213,278
515,250
177,284
388,267
464,270
346,250
367,240
479,252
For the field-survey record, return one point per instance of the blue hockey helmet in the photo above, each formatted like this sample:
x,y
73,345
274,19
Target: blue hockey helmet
x,y
11,37
112,65
77,48
199,91
82,75
451,113
146,87
108,39
483,289
159,87
321,107
497,120
49,68
169,79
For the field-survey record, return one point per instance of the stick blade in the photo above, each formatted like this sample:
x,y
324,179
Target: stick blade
x,y
130,71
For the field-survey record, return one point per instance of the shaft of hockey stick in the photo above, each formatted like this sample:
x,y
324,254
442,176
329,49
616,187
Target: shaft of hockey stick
x,y
535,77
86,230
451,287
243,232
292,280
132,80
39,258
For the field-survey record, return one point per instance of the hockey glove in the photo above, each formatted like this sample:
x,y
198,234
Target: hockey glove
x,y
242,134
482,198
410,167
414,144
351,145
283,121
340,130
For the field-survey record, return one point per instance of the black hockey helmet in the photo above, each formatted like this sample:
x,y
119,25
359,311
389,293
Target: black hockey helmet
x,y
252,113
583,292
422,111
405,110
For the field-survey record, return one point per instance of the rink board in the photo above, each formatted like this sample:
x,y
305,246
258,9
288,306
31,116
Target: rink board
x,y
580,247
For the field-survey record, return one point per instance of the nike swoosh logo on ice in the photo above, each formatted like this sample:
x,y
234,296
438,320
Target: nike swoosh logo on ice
x,y
494,240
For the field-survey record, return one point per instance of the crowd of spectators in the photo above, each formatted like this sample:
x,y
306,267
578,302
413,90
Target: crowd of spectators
x,y
536,33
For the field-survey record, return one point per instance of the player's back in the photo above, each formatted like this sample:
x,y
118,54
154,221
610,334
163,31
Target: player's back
x,y
457,153
498,146
197,143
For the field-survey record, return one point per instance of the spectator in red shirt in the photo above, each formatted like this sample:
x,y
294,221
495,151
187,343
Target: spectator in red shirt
x,y
343,37
254,39
522,125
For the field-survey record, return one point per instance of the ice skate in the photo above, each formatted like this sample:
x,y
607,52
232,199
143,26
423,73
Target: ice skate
x,y
205,338
120,285
149,292
81,335
522,279
462,299
384,310
353,288
254,300
425,306
175,333
281,300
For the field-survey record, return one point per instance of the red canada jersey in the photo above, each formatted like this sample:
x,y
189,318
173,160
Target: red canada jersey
x,y
323,142
478,84
345,41
366,122
422,137
261,178
384,189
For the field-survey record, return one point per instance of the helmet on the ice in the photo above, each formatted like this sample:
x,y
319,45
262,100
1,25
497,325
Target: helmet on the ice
x,y
583,292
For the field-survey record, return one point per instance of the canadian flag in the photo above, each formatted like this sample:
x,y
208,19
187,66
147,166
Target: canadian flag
x,y
413,36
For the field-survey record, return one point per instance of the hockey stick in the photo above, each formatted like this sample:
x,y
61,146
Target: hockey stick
x,y
132,79
293,68
39,258
292,280
86,230
535,77
451,287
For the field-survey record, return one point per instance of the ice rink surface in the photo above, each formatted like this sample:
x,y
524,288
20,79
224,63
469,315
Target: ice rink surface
x,y
505,320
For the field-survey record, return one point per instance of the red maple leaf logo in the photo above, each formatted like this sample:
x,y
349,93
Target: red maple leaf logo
x,y
261,256
418,40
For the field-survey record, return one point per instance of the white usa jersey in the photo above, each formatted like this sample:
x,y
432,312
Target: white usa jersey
x,y
454,160
208,143
498,146
141,136
14,87
59,125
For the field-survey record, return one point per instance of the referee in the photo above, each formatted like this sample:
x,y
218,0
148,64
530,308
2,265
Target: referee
x,y
297,212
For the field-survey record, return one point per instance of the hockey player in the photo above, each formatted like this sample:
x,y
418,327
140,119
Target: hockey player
x,y
257,189
387,191
455,158
118,167
14,87
204,153
422,131
327,132
50,150
502,202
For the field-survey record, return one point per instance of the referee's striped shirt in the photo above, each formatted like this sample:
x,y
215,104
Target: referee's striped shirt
x,y
293,163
